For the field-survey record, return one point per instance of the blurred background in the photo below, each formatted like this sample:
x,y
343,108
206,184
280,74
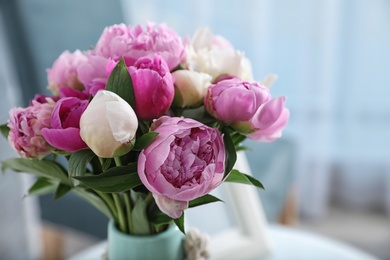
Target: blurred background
x,y
329,174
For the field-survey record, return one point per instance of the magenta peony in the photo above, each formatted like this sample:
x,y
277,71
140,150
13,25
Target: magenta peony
x,y
64,130
184,162
153,87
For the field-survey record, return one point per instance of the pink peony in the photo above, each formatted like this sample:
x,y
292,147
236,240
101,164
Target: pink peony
x,y
115,42
64,72
93,73
153,87
269,121
157,39
248,108
184,162
119,41
25,129
64,130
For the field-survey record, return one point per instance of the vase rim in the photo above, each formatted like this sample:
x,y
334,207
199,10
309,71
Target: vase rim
x,y
165,233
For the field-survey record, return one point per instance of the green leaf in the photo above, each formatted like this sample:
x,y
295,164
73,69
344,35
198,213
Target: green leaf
x,y
42,186
62,189
161,220
78,162
93,199
230,151
117,179
144,141
4,130
180,223
243,148
208,198
140,218
239,177
237,138
143,127
120,83
47,169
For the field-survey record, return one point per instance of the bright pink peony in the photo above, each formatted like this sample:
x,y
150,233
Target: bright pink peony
x,y
153,87
64,72
184,162
64,130
25,129
248,108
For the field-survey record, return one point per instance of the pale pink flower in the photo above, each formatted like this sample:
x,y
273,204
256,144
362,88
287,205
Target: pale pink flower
x,y
63,73
184,162
25,129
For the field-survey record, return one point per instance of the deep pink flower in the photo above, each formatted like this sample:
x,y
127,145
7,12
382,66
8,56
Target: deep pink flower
x,y
64,72
248,107
153,87
41,98
64,130
25,129
184,162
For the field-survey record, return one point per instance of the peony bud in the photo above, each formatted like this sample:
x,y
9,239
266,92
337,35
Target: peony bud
x,y
108,125
233,100
64,130
248,108
153,87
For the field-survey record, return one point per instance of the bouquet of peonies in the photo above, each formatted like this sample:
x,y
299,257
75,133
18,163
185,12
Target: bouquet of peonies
x,y
144,125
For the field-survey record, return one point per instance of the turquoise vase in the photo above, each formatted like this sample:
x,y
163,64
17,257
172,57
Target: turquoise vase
x,y
165,245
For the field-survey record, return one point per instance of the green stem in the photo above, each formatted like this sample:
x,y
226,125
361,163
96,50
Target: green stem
x,y
128,212
121,215
118,161
110,203
101,161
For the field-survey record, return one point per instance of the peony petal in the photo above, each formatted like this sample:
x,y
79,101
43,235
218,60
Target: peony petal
x,y
64,139
173,208
268,113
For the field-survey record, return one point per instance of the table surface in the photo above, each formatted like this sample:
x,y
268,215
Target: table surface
x,y
288,243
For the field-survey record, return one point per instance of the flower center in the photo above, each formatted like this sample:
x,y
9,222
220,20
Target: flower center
x,y
190,154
